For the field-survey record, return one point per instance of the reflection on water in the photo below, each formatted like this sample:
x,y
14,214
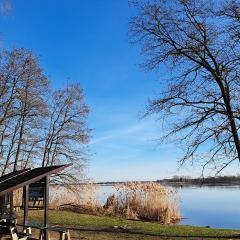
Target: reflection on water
x,y
215,206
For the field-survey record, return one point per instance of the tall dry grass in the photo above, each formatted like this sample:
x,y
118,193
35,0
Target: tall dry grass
x,y
146,201
79,195
17,197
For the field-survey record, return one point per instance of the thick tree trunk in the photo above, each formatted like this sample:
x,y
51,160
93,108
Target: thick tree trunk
x,y
233,128
227,102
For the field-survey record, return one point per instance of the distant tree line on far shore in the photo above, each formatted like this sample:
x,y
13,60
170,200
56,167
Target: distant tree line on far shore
x,y
185,180
207,180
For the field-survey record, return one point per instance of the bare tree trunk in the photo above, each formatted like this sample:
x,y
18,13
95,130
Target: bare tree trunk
x,y
19,144
227,101
11,145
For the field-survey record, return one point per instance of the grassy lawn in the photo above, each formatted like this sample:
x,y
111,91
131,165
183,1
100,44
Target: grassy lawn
x,y
90,227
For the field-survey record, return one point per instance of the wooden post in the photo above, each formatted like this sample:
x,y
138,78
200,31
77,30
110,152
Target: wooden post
x,y
11,204
25,197
2,205
46,207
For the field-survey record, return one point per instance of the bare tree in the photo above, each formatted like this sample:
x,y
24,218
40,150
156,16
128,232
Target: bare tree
x,y
36,126
198,41
23,104
66,133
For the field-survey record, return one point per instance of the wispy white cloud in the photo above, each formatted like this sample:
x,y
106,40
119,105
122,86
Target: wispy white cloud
x,y
121,132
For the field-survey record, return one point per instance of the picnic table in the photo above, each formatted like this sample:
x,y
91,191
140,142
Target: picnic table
x,y
64,233
8,227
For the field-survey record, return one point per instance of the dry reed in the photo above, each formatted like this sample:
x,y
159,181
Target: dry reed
x,y
145,201
78,195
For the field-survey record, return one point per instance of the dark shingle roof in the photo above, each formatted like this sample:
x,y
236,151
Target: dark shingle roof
x,y
18,179
12,174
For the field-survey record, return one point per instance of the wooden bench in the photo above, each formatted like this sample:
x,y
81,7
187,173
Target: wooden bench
x,y
64,233
15,235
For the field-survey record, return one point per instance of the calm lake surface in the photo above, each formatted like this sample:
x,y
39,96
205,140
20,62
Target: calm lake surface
x,y
214,206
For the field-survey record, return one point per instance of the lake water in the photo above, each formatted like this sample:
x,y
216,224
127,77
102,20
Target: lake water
x,y
217,206
214,206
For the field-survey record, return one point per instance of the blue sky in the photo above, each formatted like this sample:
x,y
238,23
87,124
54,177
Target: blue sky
x,y
86,41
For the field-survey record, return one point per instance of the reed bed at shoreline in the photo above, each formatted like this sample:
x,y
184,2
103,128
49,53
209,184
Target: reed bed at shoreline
x,y
142,201
147,201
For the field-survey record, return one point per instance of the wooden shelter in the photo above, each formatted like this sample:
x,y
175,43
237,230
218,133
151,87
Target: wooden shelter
x,y
24,179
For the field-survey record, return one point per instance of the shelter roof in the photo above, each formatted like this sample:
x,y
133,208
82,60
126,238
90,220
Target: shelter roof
x,y
18,179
